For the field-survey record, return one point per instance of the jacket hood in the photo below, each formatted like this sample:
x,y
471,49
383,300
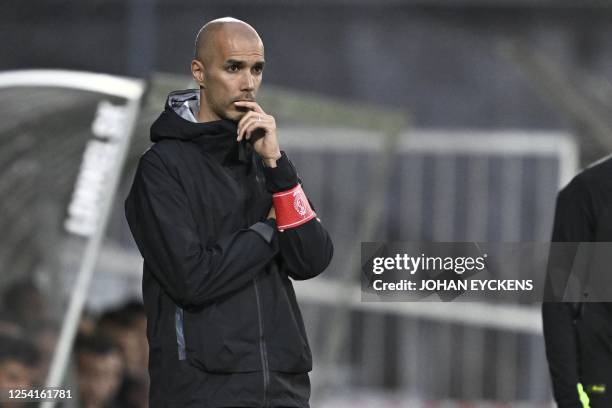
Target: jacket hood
x,y
178,122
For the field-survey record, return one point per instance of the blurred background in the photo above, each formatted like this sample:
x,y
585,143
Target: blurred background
x,y
408,120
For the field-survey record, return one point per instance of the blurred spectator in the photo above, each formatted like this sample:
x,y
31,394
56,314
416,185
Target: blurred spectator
x,y
18,365
126,326
45,336
24,303
135,310
100,371
8,326
18,362
87,324
24,317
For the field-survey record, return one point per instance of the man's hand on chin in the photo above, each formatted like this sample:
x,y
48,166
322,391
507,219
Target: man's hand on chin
x,y
259,127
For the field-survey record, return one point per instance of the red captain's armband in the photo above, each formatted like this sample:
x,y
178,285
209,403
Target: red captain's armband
x,y
292,208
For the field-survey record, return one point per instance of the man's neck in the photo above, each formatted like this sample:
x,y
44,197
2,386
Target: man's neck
x,y
205,114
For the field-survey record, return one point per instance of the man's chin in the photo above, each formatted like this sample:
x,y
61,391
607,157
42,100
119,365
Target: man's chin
x,y
228,116
234,116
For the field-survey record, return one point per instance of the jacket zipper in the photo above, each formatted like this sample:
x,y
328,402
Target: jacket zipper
x,y
262,345
241,179
262,342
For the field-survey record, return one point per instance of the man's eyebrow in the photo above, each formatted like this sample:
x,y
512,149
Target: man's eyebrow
x,y
242,63
234,62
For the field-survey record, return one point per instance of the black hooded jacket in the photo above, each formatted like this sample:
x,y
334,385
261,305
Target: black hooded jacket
x,y
224,327
579,337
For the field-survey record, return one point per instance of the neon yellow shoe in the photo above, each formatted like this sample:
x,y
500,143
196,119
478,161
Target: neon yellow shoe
x,y
584,397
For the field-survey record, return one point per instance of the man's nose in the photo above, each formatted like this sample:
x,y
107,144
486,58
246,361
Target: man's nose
x,y
248,83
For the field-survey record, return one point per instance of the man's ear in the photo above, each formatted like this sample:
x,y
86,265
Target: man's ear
x,y
197,71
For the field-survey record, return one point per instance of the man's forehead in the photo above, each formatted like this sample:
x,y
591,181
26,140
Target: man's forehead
x,y
236,43
232,40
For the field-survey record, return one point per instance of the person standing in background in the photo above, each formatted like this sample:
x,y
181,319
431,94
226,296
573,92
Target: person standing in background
x,y
578,337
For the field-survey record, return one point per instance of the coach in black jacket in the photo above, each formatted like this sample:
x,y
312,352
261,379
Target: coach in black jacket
x,y
224,327
579,336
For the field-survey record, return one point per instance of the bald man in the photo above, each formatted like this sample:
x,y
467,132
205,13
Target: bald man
x,y
223,224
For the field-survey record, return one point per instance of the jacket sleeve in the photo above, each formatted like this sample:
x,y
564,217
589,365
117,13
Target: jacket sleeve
x,y
306,250
191,272
573,223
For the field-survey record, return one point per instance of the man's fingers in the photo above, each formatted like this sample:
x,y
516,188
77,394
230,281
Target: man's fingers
x,y
244,126
254,124
242,122
253,106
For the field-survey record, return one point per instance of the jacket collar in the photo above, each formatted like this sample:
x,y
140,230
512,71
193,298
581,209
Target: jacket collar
x,y
217,138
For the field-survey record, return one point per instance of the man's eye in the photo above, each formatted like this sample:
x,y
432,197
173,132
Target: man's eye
x,y
233,68
258,70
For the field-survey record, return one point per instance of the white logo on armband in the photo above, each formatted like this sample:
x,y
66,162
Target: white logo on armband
x,y
298,203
